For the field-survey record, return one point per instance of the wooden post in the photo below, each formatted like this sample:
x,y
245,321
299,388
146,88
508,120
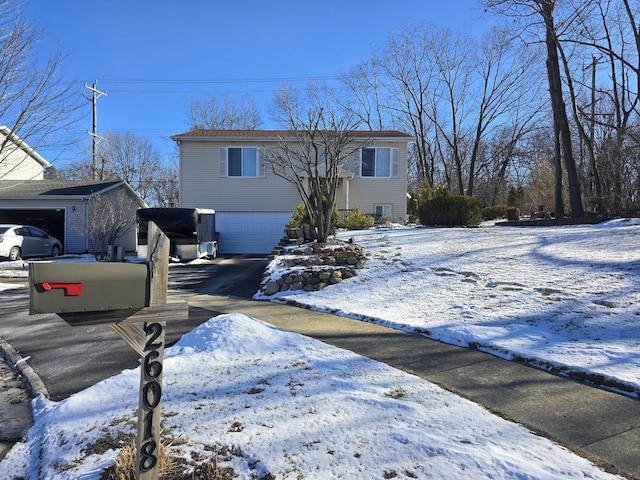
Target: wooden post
x,y
148,442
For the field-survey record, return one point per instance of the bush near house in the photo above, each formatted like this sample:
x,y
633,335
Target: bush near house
x,y
450,210
300,218
355,219
494,212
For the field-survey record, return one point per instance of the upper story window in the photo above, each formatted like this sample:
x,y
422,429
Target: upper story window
x,y
379,162
240,162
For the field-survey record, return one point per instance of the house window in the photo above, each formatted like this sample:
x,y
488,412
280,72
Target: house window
x,y
379,162
383,211
239,162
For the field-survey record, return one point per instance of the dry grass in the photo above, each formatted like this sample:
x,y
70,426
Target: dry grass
x,y
169,468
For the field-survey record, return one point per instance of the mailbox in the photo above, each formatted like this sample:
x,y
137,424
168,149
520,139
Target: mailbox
x,y
59,287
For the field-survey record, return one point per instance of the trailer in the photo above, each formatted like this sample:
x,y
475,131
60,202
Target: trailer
x,y
191,231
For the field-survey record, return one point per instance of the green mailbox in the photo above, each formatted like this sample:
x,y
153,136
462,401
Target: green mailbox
x,y
59,287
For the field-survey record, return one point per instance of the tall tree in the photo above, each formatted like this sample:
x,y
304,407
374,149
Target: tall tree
x,y
133,159
128,157
544,11
408,65
310,156
167,186
507,100
221,112
607,103
35,103
453,94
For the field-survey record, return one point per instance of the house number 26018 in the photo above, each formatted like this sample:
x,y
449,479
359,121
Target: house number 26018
x,y
151,394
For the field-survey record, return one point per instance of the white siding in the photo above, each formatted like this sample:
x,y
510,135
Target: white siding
x,y
74,228
16,164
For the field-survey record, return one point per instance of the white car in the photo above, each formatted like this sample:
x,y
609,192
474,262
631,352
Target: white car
x,y
22,241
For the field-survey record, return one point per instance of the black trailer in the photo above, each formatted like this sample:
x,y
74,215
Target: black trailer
x,y
192,231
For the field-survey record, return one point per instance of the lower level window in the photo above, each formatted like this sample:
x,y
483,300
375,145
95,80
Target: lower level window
x,y
383,211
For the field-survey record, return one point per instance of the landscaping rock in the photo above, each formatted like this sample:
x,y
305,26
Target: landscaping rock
x,y
322,265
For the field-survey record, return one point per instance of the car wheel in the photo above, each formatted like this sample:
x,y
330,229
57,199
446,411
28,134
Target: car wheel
x,y
55,251
14,254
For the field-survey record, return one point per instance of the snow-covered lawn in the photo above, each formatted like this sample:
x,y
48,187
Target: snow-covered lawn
x,y
565,298
274,402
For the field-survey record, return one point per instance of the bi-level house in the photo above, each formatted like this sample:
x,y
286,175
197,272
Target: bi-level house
x,y
225,170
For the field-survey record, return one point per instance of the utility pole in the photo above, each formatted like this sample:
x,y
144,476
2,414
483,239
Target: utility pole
x,y
95,94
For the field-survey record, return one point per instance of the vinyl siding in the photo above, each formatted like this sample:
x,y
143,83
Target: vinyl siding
x,y
367,192
201,185
17,165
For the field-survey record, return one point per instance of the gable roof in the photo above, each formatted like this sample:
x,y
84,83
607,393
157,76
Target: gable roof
x,y
21,144
78,190
275,134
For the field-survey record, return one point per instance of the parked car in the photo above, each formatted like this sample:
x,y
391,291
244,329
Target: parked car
x,y
22,241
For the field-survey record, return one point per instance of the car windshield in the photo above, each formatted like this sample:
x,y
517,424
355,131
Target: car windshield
x,y
4,229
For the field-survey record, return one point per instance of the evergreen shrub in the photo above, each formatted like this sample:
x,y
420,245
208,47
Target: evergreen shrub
x,y
355,219
494,212
446,209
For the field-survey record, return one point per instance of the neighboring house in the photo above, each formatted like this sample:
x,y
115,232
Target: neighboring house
x,y
224,170
60,208
18,161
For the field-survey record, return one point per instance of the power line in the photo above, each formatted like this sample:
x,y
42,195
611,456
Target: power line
x,y
218,80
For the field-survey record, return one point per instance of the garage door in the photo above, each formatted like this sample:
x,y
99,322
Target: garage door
x,y
49,220
249,233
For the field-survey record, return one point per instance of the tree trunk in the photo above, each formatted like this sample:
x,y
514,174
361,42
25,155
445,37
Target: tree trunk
x,y
564,149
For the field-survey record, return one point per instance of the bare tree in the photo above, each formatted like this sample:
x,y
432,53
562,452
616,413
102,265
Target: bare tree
x,y
109,217
223,113
507,101
35,103
408,65
128,157
133,159
311,155
364,95
542,13
453,94
607,112
166,185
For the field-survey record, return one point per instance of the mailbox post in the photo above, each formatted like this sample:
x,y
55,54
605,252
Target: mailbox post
x,y
124,296
148,444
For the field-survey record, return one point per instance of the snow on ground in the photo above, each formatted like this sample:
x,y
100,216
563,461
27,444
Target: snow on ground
x,y
293,407
565,298
271,401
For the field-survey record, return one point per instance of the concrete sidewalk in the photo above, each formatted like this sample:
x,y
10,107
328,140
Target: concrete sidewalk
x,y
596,424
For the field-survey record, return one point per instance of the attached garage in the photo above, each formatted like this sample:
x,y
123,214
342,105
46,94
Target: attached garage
x,y
250,232
51,220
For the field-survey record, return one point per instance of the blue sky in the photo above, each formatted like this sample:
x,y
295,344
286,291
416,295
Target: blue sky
x,y
151,56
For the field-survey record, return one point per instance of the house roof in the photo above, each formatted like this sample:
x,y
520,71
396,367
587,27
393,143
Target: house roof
x,y
62,188
21,144
272,134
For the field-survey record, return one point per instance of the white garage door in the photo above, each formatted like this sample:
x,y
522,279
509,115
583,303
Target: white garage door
x,y
242,232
